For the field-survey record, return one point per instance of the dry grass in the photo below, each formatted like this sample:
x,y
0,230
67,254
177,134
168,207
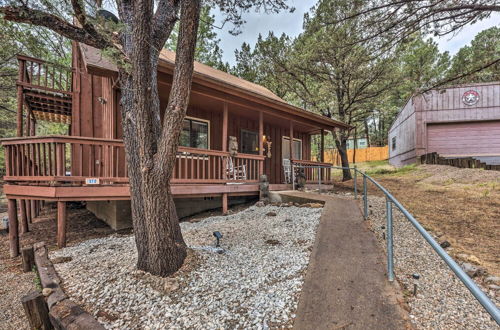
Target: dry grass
x,y
462,205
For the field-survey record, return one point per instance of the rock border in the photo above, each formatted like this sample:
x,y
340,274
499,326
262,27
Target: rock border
x,y
63,312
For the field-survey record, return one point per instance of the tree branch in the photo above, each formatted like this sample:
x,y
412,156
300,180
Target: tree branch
x,y
466,74
164,21
181,84
24,14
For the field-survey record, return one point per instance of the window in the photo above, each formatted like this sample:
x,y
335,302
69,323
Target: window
x,y
393,142
195,133
285,147
249,142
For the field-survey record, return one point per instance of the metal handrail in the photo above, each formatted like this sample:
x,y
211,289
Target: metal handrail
x,y
481,297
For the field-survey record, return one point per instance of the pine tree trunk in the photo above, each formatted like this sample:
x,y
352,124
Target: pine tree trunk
x,y
341,144
367,132
161,249
151,146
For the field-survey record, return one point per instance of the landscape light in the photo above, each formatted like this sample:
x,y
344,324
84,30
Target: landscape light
x,y
415,281
218,236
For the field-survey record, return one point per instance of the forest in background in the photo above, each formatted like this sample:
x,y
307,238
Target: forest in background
x,y
325,69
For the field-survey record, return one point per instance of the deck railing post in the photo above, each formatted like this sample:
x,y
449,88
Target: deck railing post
x,y
60,166
365,197
355,183
319,178
390,245
13,228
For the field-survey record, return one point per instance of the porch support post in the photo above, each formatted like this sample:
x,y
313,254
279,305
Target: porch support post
x,y
61,224
27,207
20,100
322,149
225,120
291,140
28,123
24,216
261,142
224,204
33,209
33,127
13,228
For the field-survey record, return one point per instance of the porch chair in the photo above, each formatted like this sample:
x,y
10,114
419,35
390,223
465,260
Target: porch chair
x,y
287,170
235,172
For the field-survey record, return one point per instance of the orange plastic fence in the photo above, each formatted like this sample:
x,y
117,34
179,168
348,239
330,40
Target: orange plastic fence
x,y
361,155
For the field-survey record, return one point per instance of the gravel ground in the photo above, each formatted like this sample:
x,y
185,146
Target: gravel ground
x,y
15,284
254,284
442,301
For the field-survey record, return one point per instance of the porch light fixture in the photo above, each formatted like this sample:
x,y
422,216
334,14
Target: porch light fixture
x,y
217,236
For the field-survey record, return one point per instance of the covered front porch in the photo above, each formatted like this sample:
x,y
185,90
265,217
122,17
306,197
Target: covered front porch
x,y
228,141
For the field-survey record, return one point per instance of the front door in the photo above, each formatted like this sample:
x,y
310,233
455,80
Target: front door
x,y
285,148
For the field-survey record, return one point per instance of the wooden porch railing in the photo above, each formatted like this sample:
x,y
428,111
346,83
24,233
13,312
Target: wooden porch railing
x,y
43,75
312,170
67,159
211,166
59,159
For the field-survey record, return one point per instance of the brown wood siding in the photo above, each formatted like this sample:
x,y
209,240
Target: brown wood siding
x,y
104,120
440,107
403,129
87,113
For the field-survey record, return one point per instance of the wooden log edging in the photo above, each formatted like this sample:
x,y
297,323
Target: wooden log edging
x,y
466,162
64,314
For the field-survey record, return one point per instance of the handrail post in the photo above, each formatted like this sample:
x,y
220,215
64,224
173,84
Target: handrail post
x,y
365,196
390,245
319,178
355,182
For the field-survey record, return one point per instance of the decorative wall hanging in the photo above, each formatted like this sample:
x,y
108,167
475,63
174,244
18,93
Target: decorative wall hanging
x,y
470,97
269,143
233,146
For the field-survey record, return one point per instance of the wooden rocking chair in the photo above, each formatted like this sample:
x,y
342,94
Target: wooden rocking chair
x,y
235,172
287,170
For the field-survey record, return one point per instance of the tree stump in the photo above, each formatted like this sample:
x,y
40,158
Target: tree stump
x,y
28,255
36,311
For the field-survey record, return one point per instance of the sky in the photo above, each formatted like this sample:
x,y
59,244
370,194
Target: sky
x,y
291,24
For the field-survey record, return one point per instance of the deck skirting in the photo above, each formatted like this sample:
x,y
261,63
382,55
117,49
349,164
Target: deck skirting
x,y
122,192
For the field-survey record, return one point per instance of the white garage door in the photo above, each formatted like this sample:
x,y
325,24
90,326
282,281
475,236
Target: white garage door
x,y
464,139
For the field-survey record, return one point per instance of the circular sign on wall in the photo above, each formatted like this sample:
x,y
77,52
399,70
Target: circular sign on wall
x,y
470,97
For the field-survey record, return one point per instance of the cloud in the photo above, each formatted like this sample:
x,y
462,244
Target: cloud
x,y
453,43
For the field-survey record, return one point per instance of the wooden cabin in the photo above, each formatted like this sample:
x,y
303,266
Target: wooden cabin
x,y
89,164
455,122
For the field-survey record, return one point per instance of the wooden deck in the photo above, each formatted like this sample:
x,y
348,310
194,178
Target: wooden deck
x,y
90,165
51,167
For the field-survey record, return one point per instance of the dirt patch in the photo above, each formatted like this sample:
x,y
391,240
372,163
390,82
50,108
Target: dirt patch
x,y
461,206
82,225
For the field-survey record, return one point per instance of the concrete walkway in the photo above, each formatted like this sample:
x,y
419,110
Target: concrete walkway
x,y
346,285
